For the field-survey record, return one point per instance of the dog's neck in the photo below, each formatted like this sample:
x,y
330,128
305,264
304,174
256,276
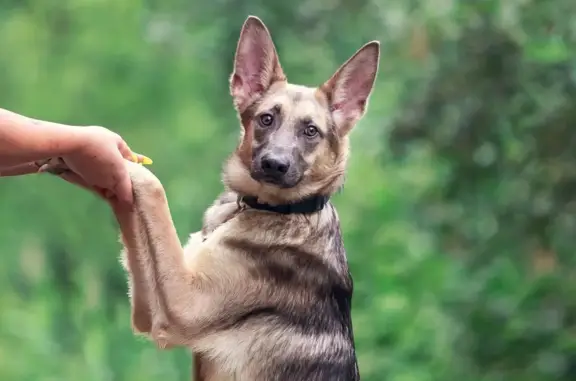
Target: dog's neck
x,y
308,205
236,178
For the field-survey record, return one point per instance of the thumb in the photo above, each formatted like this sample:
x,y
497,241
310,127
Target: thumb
x,y
125,150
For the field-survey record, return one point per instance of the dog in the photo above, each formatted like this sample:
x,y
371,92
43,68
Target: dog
x,y
263,292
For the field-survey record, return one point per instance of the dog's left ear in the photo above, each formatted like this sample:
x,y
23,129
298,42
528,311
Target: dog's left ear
x,y
350,87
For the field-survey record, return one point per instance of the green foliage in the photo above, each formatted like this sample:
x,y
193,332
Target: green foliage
x,y
457,213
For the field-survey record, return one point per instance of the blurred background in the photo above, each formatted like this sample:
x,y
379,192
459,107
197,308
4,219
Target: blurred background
x,y
459,210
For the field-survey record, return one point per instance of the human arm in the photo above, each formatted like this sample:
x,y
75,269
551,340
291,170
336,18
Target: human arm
x,y
95,155
24,140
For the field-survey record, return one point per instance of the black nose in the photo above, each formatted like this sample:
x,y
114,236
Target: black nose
x,y
275,165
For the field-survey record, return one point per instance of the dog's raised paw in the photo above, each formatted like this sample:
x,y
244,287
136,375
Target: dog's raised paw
x,y
143,180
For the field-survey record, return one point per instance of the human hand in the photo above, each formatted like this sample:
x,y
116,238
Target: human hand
x,y
98,164
95,159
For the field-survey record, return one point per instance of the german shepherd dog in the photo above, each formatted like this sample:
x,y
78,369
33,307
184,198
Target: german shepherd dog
x,y
263,292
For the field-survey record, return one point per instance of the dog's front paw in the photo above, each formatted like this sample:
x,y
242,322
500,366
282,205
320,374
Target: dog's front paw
x,y
140,175
144,182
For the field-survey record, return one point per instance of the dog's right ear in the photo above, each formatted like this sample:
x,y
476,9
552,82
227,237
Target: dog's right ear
x,y
256,66
350,87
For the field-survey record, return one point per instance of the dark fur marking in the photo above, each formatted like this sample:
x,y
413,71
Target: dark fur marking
x,y
337,369
279,260
322,302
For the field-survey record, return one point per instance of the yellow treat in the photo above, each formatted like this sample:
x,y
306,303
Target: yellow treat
x,y
141,159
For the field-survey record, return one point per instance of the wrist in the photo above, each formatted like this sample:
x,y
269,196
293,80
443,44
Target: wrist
x,y
74,139
65,139
24,139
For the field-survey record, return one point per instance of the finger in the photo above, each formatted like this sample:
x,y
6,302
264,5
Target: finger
x,y
123,191
17,170
125,151
128,154
107,195
73,178
117,206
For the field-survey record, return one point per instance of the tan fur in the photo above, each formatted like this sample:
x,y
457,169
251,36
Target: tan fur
x,y
256,295
197,284
327,163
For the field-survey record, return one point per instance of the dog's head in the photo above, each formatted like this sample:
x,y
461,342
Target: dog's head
x,y
294,138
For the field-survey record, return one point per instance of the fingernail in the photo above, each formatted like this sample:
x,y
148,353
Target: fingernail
x,y
146,160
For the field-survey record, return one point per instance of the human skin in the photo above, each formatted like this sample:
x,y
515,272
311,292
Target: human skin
x,y
95,155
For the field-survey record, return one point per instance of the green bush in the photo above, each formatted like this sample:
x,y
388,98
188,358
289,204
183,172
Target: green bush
x,y
458,210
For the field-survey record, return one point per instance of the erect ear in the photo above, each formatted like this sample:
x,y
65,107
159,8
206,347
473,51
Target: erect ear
x,y
256,65
350,87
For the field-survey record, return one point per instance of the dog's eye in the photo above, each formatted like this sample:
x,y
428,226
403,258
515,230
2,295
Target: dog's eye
x,y
266,120
311,131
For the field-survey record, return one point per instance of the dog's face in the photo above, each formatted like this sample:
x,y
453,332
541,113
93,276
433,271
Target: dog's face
x,y
294,140
290,130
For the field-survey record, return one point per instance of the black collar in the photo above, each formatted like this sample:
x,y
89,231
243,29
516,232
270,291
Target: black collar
x,y
306,206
